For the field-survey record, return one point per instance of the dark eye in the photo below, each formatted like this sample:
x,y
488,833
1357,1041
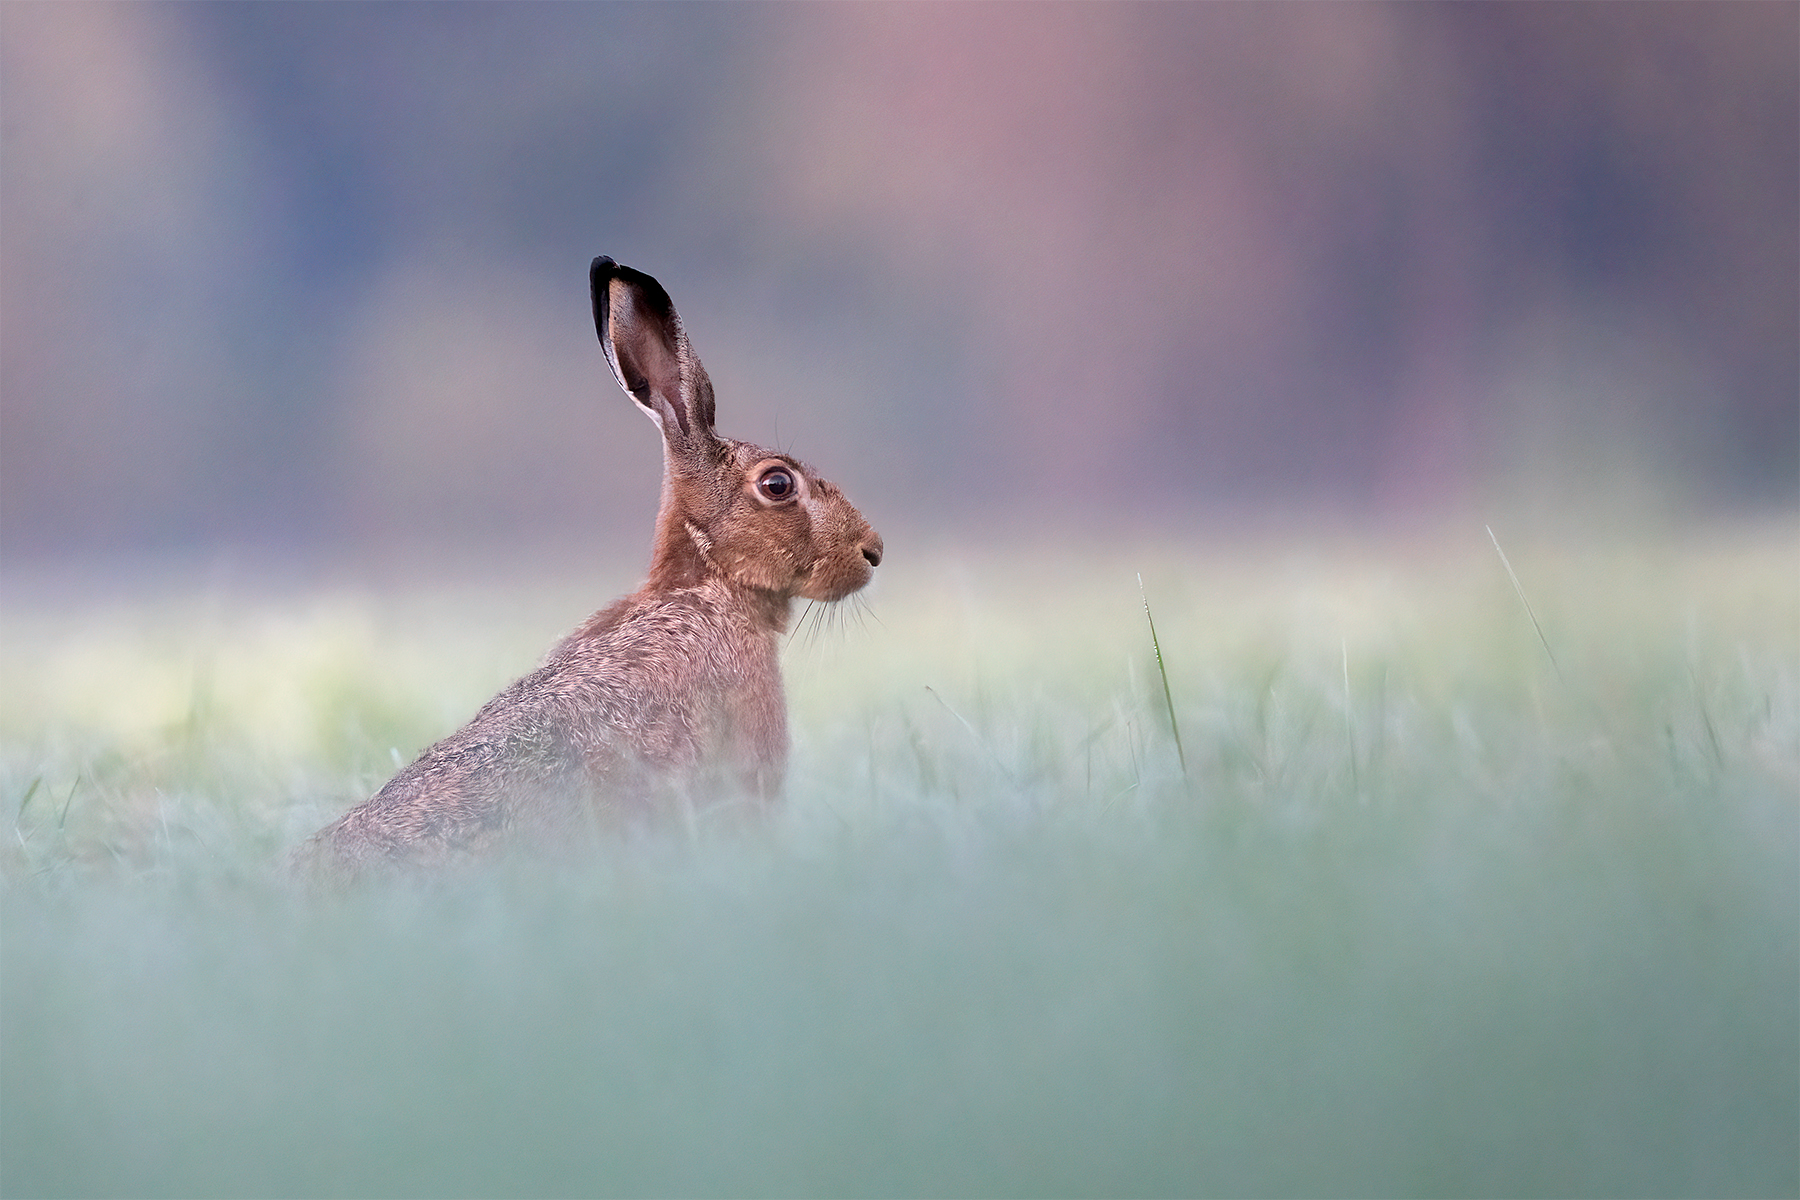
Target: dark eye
x,y
777,483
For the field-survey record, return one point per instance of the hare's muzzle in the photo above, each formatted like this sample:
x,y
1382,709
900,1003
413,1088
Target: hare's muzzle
x,y
846,568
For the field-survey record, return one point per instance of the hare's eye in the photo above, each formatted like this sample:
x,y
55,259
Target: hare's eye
x,y
777,484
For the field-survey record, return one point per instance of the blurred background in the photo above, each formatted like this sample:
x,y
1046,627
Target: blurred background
x,y
308,282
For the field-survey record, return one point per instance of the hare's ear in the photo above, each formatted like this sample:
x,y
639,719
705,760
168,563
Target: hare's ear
x,y
649,353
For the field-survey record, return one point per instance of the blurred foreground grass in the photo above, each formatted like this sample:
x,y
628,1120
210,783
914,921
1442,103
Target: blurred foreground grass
x,y
1427,914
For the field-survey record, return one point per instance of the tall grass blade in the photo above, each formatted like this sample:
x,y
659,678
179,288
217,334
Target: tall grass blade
x,y
1163,670
1542,640
63,817
964,720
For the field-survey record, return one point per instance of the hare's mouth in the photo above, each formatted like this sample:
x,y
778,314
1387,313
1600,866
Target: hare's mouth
x,y
840,575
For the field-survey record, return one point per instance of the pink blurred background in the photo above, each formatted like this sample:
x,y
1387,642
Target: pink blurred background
x,y
309,280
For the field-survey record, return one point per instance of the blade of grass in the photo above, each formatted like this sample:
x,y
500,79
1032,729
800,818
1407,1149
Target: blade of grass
x,y
67,800
1706,722
981,743
36,782
1542,640
954,713
1163,670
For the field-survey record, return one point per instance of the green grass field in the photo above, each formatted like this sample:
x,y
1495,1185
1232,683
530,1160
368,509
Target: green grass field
x,y
1435,908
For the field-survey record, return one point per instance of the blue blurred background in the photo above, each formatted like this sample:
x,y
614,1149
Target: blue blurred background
x,y
309,280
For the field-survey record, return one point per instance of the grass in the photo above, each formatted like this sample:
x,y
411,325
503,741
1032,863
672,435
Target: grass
x,y
1421,916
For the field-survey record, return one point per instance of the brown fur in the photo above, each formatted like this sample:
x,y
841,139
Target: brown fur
x,y
670,695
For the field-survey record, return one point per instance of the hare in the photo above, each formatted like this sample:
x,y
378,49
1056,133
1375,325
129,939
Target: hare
x,y
672,693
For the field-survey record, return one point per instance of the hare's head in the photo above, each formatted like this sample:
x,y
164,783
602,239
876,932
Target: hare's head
x,y
754,517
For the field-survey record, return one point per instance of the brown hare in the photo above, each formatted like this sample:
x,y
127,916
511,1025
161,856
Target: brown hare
x,y
671,695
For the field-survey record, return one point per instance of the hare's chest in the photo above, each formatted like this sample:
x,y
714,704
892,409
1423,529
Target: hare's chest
x,y
678,690
736,708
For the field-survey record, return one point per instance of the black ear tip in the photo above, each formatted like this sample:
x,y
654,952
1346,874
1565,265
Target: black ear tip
x,y
602,269
646,291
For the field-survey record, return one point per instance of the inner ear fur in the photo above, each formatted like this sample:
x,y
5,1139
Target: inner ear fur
x,y
648,350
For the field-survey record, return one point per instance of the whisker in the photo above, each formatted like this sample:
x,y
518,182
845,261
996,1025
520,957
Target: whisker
x,y
863,613
818,616
799,625
821,619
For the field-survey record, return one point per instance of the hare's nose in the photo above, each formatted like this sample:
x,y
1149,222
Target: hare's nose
x,y
871,550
